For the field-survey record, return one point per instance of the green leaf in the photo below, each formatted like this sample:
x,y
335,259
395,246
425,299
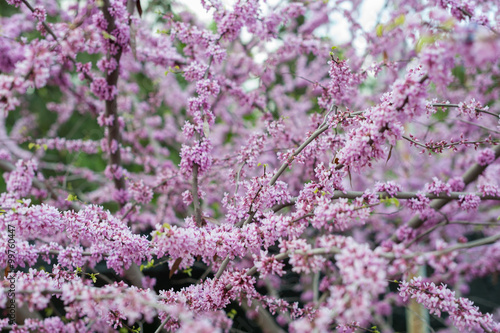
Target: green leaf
x,y
71,197
395,201
213,27
399,20
390,201
232,313
188,271
93,276
423,41
108,36
148,265
380,30
448,24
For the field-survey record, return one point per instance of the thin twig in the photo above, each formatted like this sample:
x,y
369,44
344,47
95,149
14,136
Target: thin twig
x,y
468,177
163,323
444,105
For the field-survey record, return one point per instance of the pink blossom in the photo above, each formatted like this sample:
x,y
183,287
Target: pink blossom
x,y
469,202
199,154
102,90
464,314
469,107
437,187
40,14
268,265
456,184
19,182
140,192
391,187
485,156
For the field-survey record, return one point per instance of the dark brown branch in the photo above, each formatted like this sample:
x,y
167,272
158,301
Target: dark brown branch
x,y
112,105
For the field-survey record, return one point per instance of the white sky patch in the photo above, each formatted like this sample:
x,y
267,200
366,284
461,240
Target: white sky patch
x,y
338,30
251,84
370,11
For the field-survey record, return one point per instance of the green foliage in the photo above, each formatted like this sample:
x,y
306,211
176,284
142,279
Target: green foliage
x,y
71,197
459,73
148,265
232,313
213,27
390,202
396,22
441,114
188,271
7,10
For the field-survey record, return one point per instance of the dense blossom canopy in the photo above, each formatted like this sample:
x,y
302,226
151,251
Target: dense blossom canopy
x,y
279,166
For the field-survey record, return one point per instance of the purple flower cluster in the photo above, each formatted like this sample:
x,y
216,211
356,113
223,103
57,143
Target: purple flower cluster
x,y
463,313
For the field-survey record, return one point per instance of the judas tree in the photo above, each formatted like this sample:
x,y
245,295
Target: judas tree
x,y
302,166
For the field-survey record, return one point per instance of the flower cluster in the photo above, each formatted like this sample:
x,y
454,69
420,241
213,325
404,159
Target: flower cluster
x,y
19,181
342,214
198,154
268,264
469,202
342,88
301,257
437,187
485,157
141,192
463,313
470,108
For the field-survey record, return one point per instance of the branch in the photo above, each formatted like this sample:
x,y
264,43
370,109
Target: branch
x,y
480,126
398,195
322,128
112,105
133,274
468,245
264,319
444,105
468,177
437,147
196,198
